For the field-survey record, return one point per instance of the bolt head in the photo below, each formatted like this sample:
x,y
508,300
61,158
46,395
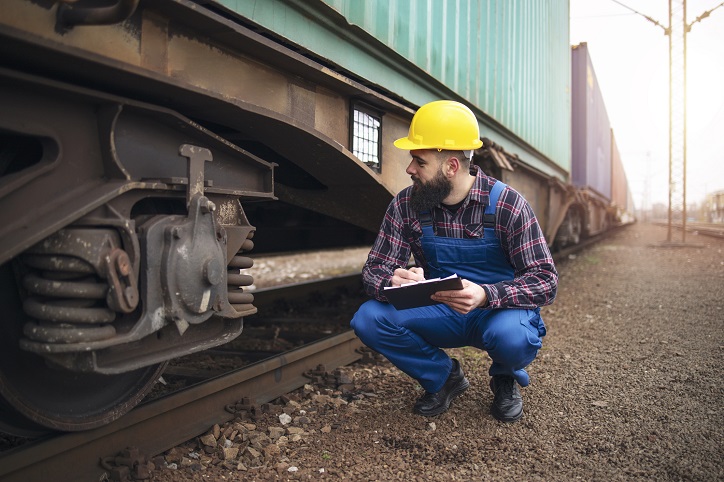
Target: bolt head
x,y
213,271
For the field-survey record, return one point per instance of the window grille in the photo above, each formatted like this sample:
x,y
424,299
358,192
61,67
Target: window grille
x,y
366,126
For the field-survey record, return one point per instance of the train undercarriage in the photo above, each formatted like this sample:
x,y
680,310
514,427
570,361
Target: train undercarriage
x,y
125,226
117,223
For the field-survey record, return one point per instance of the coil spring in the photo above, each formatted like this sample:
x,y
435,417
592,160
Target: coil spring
x,y
240,300
66,302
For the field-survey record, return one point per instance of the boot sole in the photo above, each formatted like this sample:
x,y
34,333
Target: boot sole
x,y
498,416
456,392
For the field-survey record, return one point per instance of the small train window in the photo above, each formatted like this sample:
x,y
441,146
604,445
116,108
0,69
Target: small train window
x,y
365,130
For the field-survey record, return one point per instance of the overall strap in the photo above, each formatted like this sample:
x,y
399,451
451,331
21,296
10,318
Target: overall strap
x,y
426,224
425,218
489,215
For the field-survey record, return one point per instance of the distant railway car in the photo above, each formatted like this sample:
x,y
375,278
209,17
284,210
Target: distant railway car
x,y
714,207
621,209
591,128
144,142
604,198
591,166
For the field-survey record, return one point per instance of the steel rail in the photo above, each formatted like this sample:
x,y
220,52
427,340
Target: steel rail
x,y
713,230
161,424
562,254
266,297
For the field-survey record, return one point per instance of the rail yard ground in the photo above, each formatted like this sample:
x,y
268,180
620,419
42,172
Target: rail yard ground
x,y
626,387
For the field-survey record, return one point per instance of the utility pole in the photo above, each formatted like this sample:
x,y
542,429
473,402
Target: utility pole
x,y
676,31
677,116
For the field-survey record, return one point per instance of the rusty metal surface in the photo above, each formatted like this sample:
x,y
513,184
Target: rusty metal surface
x,y
139,146
239,82
70,15
98,151
105,165
103,152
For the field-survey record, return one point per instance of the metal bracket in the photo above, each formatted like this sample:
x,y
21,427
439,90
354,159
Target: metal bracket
x,y
196,157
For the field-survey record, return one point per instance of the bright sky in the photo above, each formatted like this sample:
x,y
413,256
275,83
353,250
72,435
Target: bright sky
x,y
631,58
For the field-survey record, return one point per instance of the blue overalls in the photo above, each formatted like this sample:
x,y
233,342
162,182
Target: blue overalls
x,y
412,339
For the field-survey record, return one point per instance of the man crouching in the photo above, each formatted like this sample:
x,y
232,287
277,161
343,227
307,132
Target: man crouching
x,y
456,220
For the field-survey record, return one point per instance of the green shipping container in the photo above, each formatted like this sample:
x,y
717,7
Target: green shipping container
x,y
507,59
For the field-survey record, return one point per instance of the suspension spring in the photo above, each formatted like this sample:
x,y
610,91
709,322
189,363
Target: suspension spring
x,y
66,300
240,300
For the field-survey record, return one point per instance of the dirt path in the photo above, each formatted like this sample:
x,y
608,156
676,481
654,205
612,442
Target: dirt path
x,y
626,387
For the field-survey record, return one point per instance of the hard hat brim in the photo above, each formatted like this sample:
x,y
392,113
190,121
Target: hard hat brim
x,y
406,144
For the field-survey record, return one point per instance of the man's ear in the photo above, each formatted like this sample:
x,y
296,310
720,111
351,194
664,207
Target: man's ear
x,y
452,166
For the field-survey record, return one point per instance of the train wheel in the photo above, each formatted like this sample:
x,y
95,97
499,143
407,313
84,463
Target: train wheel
x,y
576,227
569,233
37,397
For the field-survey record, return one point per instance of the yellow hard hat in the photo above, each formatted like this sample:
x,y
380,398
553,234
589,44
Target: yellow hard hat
x,y
442,124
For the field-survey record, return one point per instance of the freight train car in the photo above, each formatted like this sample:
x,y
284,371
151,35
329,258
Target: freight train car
x,y
621,209
143,143
596,168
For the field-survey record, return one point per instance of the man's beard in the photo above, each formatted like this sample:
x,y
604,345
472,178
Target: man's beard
x,y
426,196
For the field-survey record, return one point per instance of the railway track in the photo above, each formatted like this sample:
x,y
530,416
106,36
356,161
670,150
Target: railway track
x,y
112,452
585,243
154,427
714,230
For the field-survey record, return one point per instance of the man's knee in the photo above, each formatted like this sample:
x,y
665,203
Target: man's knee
x,y
512,341
364,322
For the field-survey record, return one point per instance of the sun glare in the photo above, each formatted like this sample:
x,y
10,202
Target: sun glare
x,y
704,96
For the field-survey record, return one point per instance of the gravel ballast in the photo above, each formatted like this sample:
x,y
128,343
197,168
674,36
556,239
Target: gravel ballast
x,y
626,387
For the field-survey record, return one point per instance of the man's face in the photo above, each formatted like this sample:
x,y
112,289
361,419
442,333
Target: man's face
x,y
424,166
430,186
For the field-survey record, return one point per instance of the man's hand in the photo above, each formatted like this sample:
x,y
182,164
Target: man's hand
x,y
465,300
403,276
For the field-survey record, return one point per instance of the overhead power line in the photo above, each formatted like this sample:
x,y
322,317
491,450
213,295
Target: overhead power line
x,y
667,30
702,16
676,31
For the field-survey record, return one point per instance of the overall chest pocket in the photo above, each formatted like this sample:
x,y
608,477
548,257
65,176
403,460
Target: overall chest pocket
x,y
450,254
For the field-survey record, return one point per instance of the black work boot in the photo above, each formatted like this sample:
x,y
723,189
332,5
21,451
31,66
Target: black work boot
x,y
431,404
507,401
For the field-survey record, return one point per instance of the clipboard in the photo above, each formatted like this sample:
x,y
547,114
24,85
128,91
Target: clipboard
x,y
413,295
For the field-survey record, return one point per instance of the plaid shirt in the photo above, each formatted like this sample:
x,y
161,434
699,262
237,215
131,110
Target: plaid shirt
x,y
516,226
